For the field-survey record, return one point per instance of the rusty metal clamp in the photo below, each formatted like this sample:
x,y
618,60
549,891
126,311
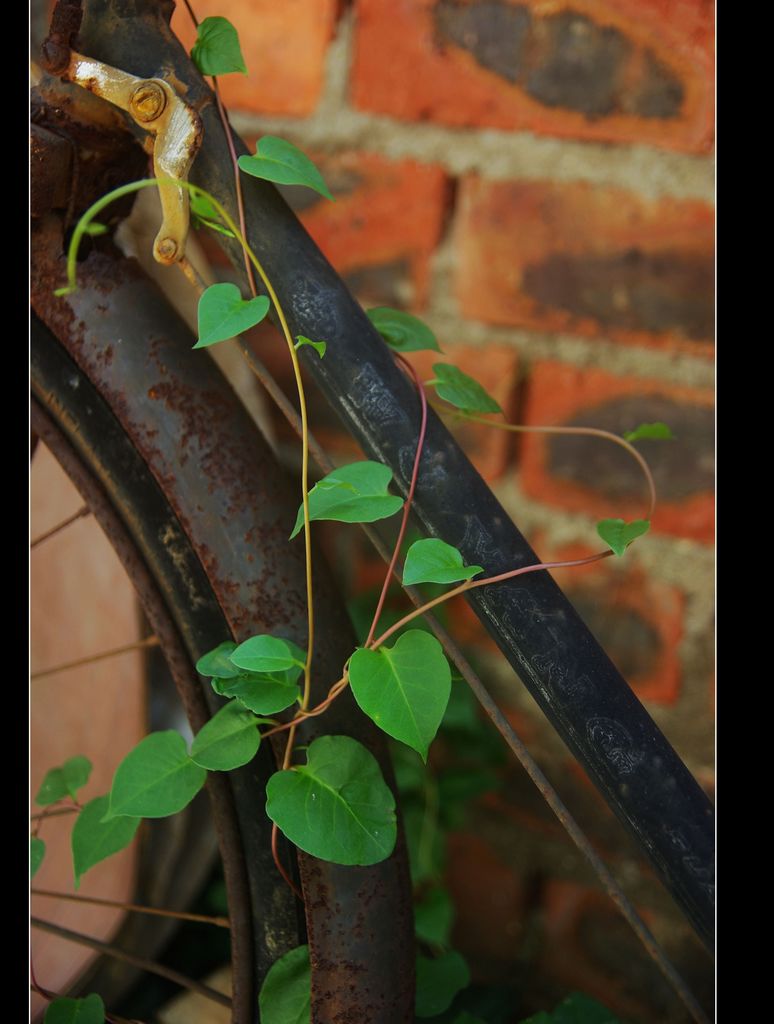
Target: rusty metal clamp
x,y
177,129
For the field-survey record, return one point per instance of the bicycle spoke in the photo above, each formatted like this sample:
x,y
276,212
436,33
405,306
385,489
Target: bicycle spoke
x,y
150,641
180,915
136,961
84,511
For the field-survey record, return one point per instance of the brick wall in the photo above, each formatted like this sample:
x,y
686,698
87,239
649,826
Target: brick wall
x,y
535,179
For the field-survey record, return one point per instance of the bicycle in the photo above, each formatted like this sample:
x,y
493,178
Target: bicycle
x,y
384,428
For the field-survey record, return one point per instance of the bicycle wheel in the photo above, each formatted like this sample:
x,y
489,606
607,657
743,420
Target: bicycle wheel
x,y
198,511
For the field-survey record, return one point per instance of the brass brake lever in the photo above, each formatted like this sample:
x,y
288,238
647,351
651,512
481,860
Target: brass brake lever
x,y
177,129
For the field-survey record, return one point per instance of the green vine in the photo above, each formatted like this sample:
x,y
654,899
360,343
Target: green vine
x,y
330,801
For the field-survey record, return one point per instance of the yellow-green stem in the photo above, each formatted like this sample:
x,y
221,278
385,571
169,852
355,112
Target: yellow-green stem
x,y
304,441
72,254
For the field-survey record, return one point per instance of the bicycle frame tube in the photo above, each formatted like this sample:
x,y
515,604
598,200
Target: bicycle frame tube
x,y
138,353
574,682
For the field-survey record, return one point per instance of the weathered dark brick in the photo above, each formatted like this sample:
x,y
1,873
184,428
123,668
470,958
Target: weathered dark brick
x,y
578,64
597,477
493,32
632,290
681,468
612,70
660,93
587,260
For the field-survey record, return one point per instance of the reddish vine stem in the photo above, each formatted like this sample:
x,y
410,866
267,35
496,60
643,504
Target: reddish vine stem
x,y
40,815
232,152
51,811
409,499
472,584
587,431
280,866
237,182
342,684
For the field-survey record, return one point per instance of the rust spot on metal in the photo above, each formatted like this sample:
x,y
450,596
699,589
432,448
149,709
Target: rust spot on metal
x,y
65,24
51,166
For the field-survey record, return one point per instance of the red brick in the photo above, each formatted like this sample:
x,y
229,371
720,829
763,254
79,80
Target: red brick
x,y
607,70
637,619
383,228
586,260
597,477
284,47
496,369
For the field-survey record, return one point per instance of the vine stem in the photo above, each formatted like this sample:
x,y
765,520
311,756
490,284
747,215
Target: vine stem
x,y
588,431
52,811
341,685
304,435
472,584
72,254
248,256
39,815
304,442
500,722
278,862
409,499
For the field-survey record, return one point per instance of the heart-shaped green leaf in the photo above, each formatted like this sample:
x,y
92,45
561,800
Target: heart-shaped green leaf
x,y
286,992
318,346
156,779
266,653
223,313
37,853
217,662
402,331
285,996
93,839
337,806
356,493
279,160
216,50
229,740
434,561
64,781
619,534
460,390
438,982
405,688
263,694
64,1010
651,432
